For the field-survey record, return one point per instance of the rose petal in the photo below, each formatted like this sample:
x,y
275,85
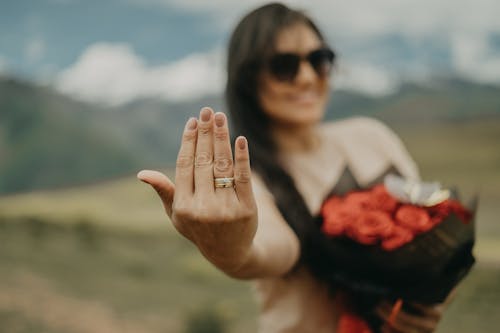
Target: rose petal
x,y
381,199
370,227
336,222
414,218
399,237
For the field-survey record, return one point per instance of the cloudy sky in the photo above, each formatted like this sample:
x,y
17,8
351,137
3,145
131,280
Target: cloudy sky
x,y
113,51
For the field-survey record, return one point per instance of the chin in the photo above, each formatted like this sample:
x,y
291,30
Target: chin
x,y
302,120
309,115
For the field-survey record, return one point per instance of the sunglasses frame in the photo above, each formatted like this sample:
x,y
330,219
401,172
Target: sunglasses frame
x,y
285,66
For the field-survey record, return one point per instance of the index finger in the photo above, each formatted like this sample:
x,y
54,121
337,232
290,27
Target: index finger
x,y
185,159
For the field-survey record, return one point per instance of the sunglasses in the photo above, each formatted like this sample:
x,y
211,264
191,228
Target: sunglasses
x,y
285,66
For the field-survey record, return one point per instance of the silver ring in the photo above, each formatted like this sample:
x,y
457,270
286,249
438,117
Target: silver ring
x,y
224,182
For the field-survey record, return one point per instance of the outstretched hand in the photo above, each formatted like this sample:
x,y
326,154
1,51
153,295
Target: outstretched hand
x,y
221,221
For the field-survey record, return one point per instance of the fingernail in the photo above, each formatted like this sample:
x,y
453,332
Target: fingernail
x,y
242,142
140,176
191,124
219,119
205,114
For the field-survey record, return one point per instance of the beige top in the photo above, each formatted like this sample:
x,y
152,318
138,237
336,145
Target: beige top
x,y
296,302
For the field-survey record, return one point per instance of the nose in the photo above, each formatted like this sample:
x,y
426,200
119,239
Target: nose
x,y
306,74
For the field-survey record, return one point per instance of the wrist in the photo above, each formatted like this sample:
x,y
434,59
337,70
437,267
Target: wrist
x,y
248,268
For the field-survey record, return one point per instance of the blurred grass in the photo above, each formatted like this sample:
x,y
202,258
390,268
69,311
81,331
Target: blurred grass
x,y
465,155
123,203
124,281
106,254
153,281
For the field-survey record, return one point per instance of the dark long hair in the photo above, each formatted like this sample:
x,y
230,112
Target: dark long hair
x,y
253,40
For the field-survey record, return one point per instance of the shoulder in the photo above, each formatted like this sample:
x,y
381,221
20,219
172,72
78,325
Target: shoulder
x,y
366,129
370,144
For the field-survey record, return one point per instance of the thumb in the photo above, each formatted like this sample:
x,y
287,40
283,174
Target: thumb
x,y
162,185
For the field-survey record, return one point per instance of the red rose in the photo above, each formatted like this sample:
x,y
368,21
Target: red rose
x,y
414,218
370,227
383,200
399,237
360,200
337,220
440,211
352,323
337,215
331,205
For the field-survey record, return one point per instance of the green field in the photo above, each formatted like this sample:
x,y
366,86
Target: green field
x,y
82,278
103,258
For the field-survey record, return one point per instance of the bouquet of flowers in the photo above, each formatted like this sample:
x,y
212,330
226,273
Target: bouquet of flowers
x,y
397,240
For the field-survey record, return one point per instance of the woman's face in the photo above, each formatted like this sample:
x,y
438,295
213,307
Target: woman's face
x,y
301,101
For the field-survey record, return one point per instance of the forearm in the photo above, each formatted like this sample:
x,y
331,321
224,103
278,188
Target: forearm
x,y
268,257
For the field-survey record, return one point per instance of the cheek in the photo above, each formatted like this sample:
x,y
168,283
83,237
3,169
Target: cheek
x,y
325,87
276,101
272,99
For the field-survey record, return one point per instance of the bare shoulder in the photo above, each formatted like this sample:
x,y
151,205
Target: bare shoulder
x,y
369,140
358,127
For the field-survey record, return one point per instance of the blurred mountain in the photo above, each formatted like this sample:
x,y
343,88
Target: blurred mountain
x,y
49,140
442,100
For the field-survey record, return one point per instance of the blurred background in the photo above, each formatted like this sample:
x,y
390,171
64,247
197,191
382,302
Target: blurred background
x,y
93,91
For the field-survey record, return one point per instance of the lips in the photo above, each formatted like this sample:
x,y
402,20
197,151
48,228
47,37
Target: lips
x,y
307,97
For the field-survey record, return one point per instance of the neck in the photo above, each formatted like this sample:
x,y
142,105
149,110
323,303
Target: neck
x,y
296,139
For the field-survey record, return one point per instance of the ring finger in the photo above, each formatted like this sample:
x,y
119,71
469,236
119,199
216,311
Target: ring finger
x,y
223,157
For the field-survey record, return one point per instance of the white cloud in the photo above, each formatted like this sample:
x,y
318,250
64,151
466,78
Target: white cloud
x,y
353,23
113,74
34,50
363,18
475,58
365,78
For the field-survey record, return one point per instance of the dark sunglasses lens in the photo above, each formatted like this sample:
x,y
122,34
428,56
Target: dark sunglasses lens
x,y
322,61
284,66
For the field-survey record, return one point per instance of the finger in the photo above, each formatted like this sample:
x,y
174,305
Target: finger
x,y
162,185
450,297
406,322
388,329
383,311
223,156
434,310
204,157
185,159
242,172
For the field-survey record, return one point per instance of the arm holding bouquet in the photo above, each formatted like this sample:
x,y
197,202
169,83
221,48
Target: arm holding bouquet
x,y
271,226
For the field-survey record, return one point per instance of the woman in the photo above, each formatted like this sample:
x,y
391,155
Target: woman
x,y
256,225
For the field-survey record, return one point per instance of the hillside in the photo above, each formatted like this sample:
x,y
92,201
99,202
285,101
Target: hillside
x,y
465,155
48,140
91,242
442,100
